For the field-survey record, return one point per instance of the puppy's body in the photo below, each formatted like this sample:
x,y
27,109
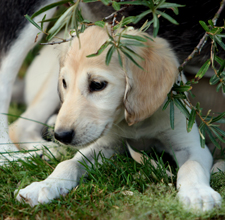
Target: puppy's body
x,y
105,130
18,37
95,120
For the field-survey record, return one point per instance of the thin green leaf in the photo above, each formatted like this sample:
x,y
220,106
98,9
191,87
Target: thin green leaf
x,y
223,88
221,35
203,69
124,22
42,22
211,23
101,49
120,58
100,24
220,42
175,10
133,3
221,67
116,6
204,25
50,20
179,96
142,15
219,87
182,107
219,60
172,114
134,37
220,131
47,7
191,120
144,26
216,30
216,119
191,94
50,36
167,17
166,104
212,138
155,25
132,43
83,27
183,88
109,54
170,5
214,80
105,2
131,58
62,20
33,22
217,135
131,52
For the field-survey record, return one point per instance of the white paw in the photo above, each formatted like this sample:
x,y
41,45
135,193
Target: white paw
x,y
44,191
199,198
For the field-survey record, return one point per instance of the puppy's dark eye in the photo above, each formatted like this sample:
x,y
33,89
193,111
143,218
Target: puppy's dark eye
x,y
64,84
97,86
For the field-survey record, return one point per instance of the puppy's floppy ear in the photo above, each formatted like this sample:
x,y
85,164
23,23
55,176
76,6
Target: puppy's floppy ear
x,y
147,89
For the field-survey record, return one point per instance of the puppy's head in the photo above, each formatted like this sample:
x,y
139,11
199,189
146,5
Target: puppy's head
x,y
95,96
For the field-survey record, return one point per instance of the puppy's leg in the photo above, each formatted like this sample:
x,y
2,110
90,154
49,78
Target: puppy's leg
x,y
44,103
9,67
194,173
66,175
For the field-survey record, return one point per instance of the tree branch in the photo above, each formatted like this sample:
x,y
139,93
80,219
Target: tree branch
x,y
202,42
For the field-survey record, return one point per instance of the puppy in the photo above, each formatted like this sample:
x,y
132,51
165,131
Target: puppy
x,y
104,105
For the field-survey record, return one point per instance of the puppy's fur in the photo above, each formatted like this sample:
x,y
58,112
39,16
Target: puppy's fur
x,y
128,108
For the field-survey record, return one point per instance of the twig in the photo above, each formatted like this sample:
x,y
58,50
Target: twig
x,y
69,39
110,16
203,40
58,42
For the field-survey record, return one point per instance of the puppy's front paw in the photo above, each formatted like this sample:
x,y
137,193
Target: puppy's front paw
x,y
199,198
43,192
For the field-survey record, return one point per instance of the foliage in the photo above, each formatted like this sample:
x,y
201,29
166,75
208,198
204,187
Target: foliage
x,y
119,42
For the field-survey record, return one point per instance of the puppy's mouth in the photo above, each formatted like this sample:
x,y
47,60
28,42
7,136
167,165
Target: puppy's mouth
x,y
77,142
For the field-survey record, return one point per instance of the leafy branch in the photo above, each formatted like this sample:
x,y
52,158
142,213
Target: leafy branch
x,y
178,97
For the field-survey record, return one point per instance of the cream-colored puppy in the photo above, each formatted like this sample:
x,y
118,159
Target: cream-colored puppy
x,y
104,105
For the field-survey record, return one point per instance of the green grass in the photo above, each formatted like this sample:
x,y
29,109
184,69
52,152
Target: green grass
x,y
104,194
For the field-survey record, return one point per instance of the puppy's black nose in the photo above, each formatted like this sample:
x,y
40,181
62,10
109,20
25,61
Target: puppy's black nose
x,y
65,137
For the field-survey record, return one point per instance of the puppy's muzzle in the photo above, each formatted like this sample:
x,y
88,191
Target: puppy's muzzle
x,y
65,137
